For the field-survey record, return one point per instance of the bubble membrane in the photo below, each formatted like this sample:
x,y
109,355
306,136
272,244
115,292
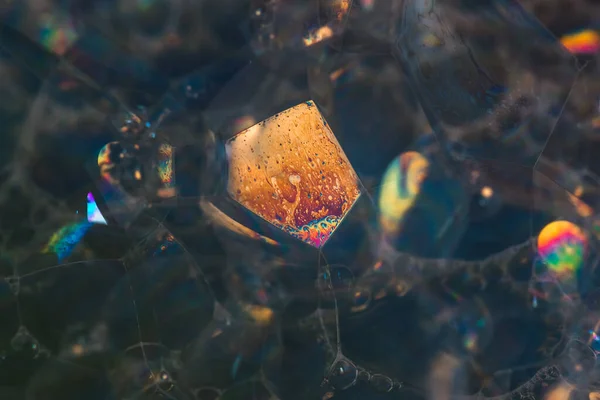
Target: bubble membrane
x,y
188,291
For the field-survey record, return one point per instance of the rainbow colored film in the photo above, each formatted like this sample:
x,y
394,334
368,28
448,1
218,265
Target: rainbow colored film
x,y
57,34
63,242
290,171
583,42
104,161
399,188
562,246
165,171
93,212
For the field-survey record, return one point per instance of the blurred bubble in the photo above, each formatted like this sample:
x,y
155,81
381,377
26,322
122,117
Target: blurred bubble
x,y
361,300
401,185
562,246
145,371
27,345
471,94
485,203
336,282
422,210
381,383
474,326
57,33
577,362
213,263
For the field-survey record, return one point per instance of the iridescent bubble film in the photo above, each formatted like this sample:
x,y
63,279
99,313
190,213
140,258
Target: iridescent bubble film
x,y
562,245
94,215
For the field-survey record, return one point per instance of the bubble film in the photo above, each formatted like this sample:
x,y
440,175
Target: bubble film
x,y
290,171
562,245
296,200
584,42
94,215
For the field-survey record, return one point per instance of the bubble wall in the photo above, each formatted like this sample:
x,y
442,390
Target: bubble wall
x,y
296,200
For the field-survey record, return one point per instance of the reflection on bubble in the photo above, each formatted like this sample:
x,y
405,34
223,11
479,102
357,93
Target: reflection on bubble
x,y
318,35
57,33
473,324
421,209
221,219
63,242
400,186
577,362
562,246
381,383
26,344
93,212
145,370
583,42
165,171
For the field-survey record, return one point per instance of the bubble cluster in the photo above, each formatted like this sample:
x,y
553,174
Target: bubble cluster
x,y
324,199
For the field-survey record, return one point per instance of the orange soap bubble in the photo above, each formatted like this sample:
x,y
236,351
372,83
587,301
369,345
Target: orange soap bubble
x,y
290,170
